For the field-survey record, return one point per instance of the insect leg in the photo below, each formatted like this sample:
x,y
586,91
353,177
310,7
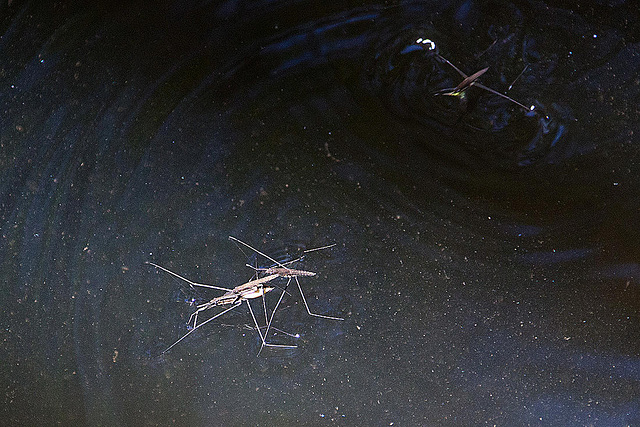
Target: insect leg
x,y
201,324
220,288
262,338
307,305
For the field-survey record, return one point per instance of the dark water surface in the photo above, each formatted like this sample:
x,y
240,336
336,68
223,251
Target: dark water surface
x,y
487,260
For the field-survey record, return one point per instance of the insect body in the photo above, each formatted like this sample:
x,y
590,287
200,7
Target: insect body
x,y
252,289
286,272
468,81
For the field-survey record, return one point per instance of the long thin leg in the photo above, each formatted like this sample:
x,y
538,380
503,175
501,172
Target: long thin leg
x,y
449,91
266,333
269,320
458,70
285,332
252,328
273,260
194,316
319,249
260,269
256,251
266,316
202,324
200,308
307,305
264,343
220,288
495,92
519,75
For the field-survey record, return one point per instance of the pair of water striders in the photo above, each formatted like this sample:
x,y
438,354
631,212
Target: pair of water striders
x,y
255,288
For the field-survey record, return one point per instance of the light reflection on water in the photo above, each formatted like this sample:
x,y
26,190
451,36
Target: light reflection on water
x,y
484,259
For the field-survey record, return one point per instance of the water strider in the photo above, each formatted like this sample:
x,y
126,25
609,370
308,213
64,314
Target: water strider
x,y
467,80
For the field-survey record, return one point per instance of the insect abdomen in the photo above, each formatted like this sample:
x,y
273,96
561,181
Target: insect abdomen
x,y
288,272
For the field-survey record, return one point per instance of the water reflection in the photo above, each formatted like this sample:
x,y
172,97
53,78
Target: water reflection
x,y
486,260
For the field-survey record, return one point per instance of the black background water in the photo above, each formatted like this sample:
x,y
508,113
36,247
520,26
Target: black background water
x,y
486,263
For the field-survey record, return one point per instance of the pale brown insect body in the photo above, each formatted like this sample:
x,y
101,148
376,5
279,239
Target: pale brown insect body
x,y
252,289
287,272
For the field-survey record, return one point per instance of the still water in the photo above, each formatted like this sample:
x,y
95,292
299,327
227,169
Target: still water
x,y
486,261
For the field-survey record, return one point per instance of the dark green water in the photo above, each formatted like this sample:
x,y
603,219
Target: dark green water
x,y
486,259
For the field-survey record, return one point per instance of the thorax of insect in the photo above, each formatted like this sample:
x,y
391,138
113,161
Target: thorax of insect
x,y
252,289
